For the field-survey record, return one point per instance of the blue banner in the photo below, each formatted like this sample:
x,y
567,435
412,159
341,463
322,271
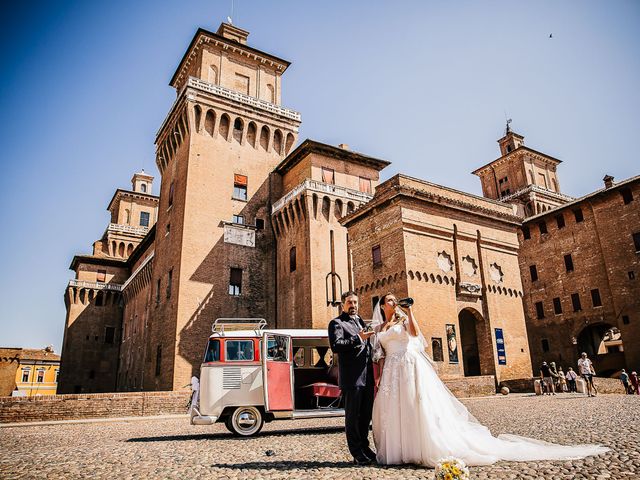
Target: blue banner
x,y
502,354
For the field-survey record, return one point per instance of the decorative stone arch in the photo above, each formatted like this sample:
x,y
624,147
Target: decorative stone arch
x,y
223,128
411,276
289,143
350,207
432,278
252,133
439,279
475,344
595,339
389,279
338,209
366,287
383,282
446,280
277,141
419,276
238,129
326,208
265,133
210,122
129,249
197,117
315,202
121,250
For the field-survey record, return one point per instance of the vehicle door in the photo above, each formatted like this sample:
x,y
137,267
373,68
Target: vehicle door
x,y
277,372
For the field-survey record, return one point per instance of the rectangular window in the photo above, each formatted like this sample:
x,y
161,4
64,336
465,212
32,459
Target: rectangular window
x,y
328,175
625,319
235,281
158,359
595,298
102,276
292,259
109,334
578,214
436,347
144,219
158,285
365,185
545,345
560,221
575,301
238,350
534,272
240,187
239,219
25,375
259,224
557,306
40,378
376,255
542,226
636,241
568,262
213,351
627,196
57,375
526,233
631,274
539,310
169,283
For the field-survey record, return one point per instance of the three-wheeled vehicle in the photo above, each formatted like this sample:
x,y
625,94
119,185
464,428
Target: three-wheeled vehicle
x,y
251,375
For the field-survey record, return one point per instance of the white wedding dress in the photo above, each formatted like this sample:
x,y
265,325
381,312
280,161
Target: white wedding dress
x,y
416,419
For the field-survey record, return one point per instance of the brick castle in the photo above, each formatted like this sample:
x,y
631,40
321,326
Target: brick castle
x,y
247,224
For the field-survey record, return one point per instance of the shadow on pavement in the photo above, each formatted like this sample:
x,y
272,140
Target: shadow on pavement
x,y
229,436
304,465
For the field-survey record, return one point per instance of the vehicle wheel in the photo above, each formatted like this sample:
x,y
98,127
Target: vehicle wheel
x,y
227,423
245,421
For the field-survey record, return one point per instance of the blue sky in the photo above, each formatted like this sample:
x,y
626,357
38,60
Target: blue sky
x,y
424,84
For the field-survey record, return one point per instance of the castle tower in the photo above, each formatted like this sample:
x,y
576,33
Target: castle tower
x,y
319,185
89,359
214,248
522,176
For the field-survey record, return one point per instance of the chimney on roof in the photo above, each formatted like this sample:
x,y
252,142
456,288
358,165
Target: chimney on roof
x,y
343,146
227,30
608,181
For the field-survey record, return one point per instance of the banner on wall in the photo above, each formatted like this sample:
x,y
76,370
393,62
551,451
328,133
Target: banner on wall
x,y
452,343
502,354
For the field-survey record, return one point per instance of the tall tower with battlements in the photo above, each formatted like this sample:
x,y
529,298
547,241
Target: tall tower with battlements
x,y
214,247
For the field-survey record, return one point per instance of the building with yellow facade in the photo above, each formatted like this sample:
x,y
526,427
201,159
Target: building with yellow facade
x,y
27,372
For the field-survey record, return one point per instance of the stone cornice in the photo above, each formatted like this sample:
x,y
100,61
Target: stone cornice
x,y
128,193
394,188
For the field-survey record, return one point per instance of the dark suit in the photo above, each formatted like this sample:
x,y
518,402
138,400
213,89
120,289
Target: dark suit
x,y
356,378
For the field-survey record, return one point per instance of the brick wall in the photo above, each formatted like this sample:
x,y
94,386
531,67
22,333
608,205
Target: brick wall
x,y
97,405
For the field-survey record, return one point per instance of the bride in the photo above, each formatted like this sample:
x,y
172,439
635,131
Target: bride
x,y
416,419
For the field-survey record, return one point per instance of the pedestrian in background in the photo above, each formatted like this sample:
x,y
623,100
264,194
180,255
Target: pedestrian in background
x,y
585,367
554,376
547,379
624,378
562,381
634,383
571,377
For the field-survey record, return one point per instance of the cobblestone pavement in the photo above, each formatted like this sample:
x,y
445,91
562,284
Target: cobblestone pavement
x,y
172,448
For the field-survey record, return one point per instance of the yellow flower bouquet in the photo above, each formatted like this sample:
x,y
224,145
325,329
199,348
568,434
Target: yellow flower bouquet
x,y
451,469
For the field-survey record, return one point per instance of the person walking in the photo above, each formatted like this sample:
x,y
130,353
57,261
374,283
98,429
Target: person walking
x,y
571,377
624,378
585,367
547,379
554,376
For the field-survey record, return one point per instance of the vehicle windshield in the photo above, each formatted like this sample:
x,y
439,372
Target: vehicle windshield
x,y
213,351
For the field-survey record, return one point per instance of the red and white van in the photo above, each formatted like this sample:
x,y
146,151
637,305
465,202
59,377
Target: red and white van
x,y
251,375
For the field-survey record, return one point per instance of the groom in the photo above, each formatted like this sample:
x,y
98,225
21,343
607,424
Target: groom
x,y
349,340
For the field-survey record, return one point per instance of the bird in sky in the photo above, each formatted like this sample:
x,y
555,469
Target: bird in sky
x,y
551,35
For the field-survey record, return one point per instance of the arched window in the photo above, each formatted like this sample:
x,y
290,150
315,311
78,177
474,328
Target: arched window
x,y
289,143
292,259
143,187
251,134
209,122
264,137
277,142
271,94
223,130
127,214
129,249
238,127
121,249
198,116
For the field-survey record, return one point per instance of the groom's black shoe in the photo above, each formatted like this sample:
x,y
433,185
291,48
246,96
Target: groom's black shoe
x,y
362,459
370,454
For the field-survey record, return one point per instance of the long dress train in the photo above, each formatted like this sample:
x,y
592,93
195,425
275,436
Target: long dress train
x,y
416,419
